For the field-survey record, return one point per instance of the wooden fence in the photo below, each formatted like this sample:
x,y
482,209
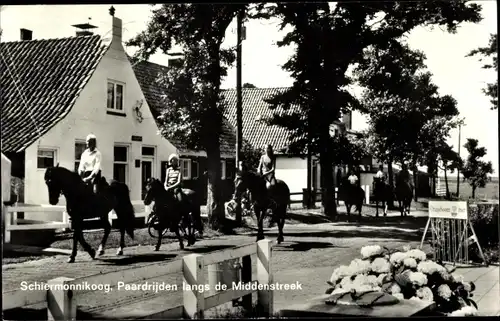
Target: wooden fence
x,y
62,298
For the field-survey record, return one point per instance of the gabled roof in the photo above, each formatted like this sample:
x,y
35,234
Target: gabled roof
x,y
147,73
40,81
255,107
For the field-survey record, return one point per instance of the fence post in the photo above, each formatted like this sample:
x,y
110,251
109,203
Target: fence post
x,y
264,276
61,303
367,194
193,284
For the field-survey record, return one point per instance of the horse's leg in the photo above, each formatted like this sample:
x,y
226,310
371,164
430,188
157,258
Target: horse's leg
x,y
376,206
84,243
384,205
280,218
160,237
179,237
75,245
122,242
107,230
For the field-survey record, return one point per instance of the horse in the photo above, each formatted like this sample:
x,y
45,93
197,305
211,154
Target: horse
x,y
171,214
404,193
277,198
82,203
351,194
381,193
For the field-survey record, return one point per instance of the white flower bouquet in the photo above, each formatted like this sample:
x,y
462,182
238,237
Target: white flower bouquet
x,y
406,275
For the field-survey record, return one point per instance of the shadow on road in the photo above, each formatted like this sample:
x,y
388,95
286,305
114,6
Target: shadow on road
x,y
358,232
136,258
303,246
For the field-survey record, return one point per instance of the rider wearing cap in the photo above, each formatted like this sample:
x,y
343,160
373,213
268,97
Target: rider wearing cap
x,y
90,163
173,178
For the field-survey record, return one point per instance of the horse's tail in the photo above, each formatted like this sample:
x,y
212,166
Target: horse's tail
x,y
124,209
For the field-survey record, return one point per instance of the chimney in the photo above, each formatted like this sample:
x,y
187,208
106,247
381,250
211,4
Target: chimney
x,y
83,29
26,34
117,26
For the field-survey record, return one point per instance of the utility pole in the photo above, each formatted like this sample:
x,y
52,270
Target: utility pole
x,y
239,99
458,169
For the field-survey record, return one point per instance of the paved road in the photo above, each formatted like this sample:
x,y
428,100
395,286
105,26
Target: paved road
x,y
308,256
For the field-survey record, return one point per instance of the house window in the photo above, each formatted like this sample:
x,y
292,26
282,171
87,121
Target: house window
x,y
148,151
46,158
195,168
120,163
185,168
115,96
230,169
223,169
79,149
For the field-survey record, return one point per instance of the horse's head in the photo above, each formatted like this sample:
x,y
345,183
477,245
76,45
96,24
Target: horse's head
x,y
153,187
53,180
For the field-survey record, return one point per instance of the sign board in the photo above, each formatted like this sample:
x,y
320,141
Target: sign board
x,y
446,209
136,138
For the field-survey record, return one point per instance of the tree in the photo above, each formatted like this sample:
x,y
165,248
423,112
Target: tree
x,y
249,85
491,51
193,101
476,171
407,115
450,161
328,41
250,155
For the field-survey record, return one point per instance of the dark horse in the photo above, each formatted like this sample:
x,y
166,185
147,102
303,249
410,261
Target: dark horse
x,y
404,193
82,203
351,194
171,214
277,198
381,193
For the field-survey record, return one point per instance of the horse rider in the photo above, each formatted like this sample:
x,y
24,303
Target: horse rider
x,y
267,166
352,177
173,178
380,176
404,174
90,163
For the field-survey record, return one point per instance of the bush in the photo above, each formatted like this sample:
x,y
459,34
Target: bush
x,y
484,219
16,189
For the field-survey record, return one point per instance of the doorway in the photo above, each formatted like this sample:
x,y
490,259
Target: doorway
x,y
146,173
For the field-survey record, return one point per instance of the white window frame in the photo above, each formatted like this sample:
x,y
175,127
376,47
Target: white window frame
x,y
151,158
193,163
182,164
78,141
46,149
126,163
223,169
114,109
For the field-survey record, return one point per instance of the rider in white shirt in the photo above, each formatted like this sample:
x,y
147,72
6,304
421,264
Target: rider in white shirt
x,y
352,178
90,163
380,174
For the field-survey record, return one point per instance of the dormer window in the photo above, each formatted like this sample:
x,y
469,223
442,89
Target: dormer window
x,y
115,96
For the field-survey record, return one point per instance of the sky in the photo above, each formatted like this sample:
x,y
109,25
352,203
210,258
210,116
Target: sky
x,y
459,76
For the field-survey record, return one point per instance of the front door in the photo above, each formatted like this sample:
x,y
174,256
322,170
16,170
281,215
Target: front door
x,y
147,172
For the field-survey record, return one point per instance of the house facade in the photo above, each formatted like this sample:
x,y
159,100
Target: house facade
x,y
57,91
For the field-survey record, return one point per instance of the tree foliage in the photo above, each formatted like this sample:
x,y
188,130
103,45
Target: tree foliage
x,y
491,51
328,40
193,112
475,170
250,155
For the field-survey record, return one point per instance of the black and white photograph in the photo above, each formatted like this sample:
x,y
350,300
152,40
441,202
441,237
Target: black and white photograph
x,y
250,160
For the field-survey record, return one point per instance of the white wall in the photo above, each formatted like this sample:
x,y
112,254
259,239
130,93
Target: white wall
x,y
293,171
6,166
89,116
